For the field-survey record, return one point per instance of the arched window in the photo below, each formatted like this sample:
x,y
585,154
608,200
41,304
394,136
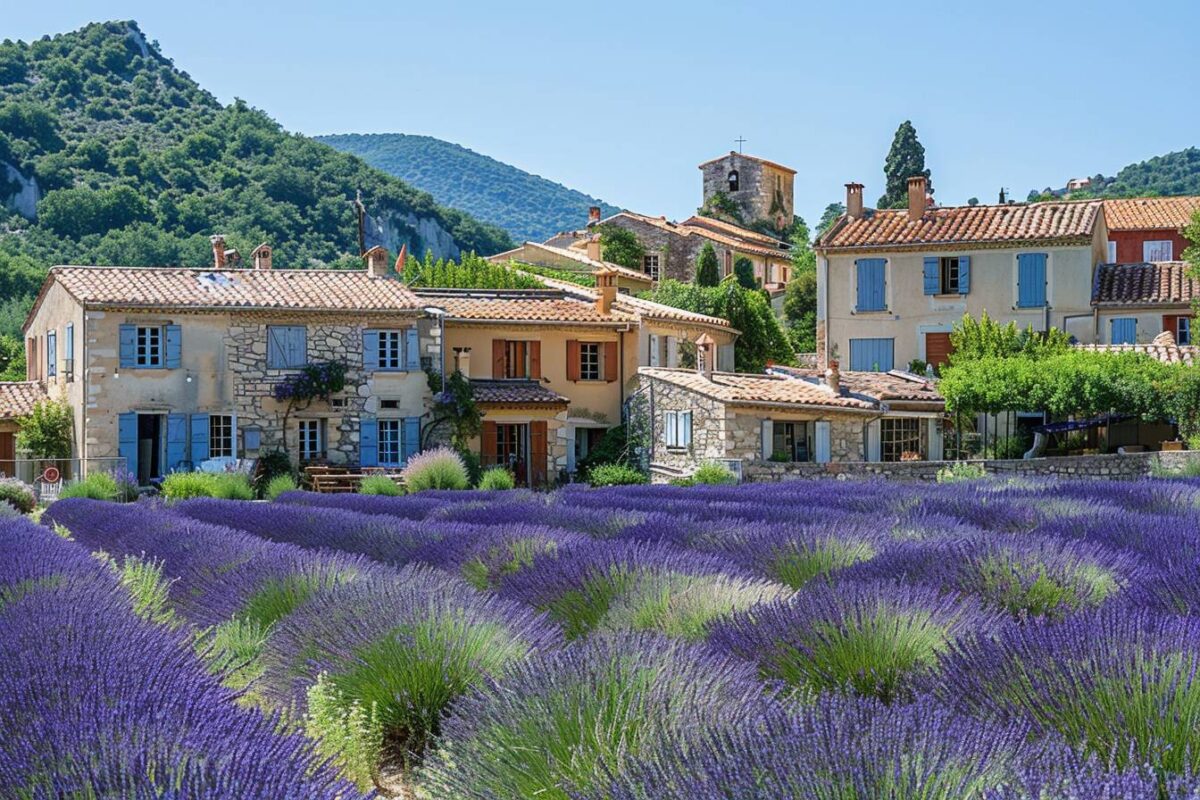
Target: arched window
x,y
733,180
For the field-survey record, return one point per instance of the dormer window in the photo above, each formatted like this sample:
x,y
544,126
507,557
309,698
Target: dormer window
x,y
733,180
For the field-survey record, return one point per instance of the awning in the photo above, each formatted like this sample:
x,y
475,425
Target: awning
x,y
1082,424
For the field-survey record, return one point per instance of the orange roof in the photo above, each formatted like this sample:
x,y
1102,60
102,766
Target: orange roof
x,y
180,287
739,389
522,254
17,399
1150,213
1061,222
1161,283
531,306
515,393
896,385
721,226
733,237
748,158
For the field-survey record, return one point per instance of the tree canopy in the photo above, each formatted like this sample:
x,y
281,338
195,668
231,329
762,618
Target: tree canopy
x,y
905,159
621,246
708,270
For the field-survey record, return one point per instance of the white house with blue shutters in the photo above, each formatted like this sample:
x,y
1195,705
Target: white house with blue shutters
x,y
892,283
170,368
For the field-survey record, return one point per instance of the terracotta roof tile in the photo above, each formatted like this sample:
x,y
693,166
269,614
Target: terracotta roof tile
x,y
516,392
522,254
883,386
17,399
177,287
732,236
721,226
883,228
1161,283
743,389
1150,213
520,305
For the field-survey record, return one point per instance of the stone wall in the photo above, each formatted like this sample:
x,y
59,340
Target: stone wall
x,y
1109,466
755,196
677,253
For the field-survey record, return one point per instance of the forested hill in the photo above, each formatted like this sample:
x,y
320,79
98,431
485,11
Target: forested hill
x,y
529,207
109,154
1171,174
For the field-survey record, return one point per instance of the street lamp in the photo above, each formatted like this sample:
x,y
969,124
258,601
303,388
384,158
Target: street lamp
x,y
440,315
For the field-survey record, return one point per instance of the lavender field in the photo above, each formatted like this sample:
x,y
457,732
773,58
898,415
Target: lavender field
x,y
830,640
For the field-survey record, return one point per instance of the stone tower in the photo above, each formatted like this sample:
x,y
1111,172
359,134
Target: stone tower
x,y
759,190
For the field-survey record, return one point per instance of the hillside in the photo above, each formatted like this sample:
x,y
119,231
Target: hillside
x,y
109,154
529,207
1171,174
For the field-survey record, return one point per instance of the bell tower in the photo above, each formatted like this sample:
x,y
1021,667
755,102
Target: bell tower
x,y
747,190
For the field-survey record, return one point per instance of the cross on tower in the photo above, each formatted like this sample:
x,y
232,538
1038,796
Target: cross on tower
x,y
740,141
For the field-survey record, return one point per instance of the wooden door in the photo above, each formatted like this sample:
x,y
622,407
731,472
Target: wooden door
x,y
8,453
938,349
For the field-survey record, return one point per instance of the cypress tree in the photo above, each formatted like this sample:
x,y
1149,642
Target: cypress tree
x,y
708,272
905,160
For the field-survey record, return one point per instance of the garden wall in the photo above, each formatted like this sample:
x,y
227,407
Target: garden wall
x,y
1131,465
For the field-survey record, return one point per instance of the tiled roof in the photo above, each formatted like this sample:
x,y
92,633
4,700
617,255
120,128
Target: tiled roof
x,y
1064,222
1160,283
740,239
17,399
742,389
522,254
178,287
883,386
637,306
520,305
1148,213
749,158
1163,349
516,392
721,226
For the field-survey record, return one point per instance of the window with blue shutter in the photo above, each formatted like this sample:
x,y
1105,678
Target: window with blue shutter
x,y
287,346
177,442
128,339
51,354
1031,280
127,441
412,437
821,441
200,438
1124,330
174,338
370,350
871,355
69,350
871,284
368,442
412,349
964,274
931,272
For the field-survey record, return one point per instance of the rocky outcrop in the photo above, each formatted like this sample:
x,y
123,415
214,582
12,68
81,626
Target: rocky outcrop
x,y
25,199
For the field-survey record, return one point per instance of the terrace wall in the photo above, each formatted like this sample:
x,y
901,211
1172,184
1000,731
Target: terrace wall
x,y
1110,466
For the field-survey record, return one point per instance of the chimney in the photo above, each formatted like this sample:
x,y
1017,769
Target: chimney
x,y
833,377
854,200
706,355
593,215
918,191
218,249
462,361
262,256
606,286
593,248
377,262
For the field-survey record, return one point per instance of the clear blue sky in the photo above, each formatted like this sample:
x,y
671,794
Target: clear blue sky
x,y
623,100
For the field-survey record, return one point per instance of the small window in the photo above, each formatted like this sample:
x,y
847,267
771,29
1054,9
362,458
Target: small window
x,y
391,349
149,351
51,354
791,441
391,442
516,359
650,265
1162,250
1183,332
900,439
221,436
312,439
677,428
590,368
733,180
949,275
1112,252
389,405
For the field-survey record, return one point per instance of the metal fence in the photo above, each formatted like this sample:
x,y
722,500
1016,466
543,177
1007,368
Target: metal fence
x,y
47,476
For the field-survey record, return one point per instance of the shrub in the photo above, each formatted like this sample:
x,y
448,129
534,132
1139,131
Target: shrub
x,y
96,486
278,485
348,734
440,468
1011,447
956,473
497,479
46,432
225,485
232,486
714,474
379,484
18,494
615,475
270,466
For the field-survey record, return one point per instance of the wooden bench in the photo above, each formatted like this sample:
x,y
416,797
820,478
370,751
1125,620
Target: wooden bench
x,y
344,482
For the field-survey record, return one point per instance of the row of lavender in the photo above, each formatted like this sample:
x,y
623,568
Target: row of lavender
x,y
98,702
726,642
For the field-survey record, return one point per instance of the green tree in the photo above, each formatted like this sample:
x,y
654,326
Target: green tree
x,y
46,431
905,159
708,271
12,358
803,257
829,216
621,246
743,270
1192,254
800,310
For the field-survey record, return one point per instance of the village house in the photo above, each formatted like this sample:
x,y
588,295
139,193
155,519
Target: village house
x,y
17,400
787,419
1148,228
1133,303
892,283
168,368
582,262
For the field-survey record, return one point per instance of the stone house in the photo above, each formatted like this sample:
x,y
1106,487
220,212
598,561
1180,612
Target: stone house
x,y
761,190
1148,228
166,368
1134,303
787,419
892,283
17,400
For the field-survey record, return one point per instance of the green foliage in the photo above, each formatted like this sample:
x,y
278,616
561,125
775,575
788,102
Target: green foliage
x,y
271,465
986,338
905,159
1184,404
528,207
454,405
17,494
615,475
1011,447
46,431
708,270
613,448
960,472
829,216
278,485
346,733
469,272
797,564
223,485
800,310
96,486
722,206
148,589
577,277
713,474
620,246
12,358
743,271
381,485
440,468
79,211
1175,173
497,479
1192,254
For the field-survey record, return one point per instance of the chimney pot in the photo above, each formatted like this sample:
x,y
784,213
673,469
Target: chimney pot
x,y
606,288
262,256
833,377
593,249
706,355
593,215
854,200
377,262
918,196
218,248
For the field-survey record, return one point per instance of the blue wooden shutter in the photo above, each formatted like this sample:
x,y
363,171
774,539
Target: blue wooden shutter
x,y
127,441
1124,330
199,438
821,442
368,442
370,350
276,352
412,349
297,346
70,343
964,274
412,437
177,441
871,284
933,280
686,434
128,338
1031,280
174,337
871,355
51,354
